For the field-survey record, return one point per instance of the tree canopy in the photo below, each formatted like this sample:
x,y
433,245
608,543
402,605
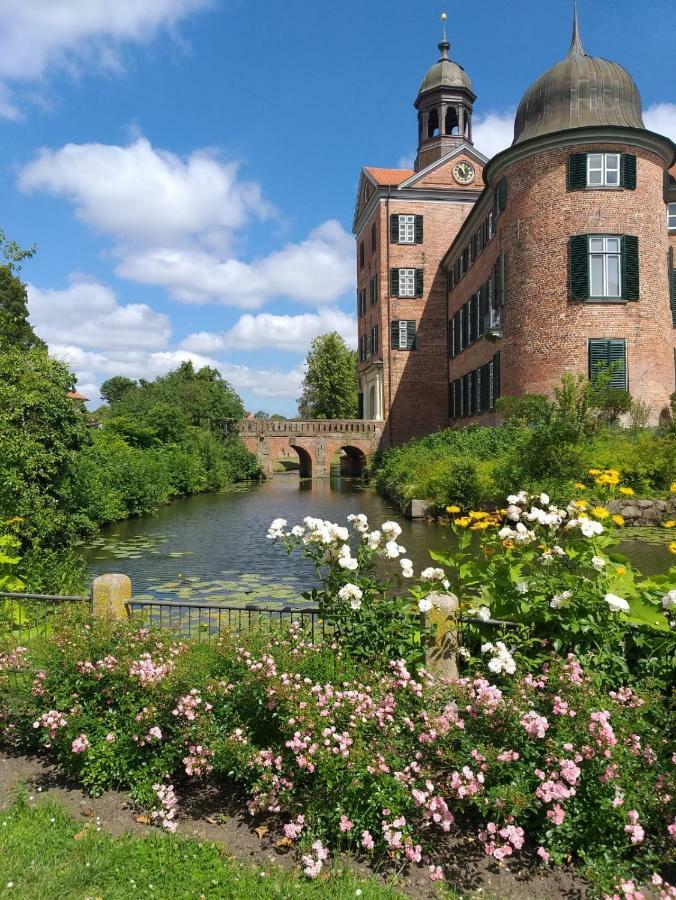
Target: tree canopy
x,y
15,330
331,384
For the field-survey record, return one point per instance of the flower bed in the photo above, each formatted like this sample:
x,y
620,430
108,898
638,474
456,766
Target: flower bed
x,y
383,763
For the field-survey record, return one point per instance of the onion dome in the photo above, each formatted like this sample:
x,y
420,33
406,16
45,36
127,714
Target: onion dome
x,y
445,72
579,91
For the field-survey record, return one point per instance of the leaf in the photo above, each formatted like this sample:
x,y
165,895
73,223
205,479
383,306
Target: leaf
x,y
261,831
143,820
80,834
284,842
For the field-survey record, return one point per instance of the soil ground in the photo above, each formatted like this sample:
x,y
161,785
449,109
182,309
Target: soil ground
x,y
214,814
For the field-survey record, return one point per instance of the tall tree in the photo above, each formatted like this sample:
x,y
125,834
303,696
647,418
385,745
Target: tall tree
x,y
331,384
15,330
114,389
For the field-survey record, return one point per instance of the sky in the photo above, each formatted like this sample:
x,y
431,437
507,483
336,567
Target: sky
x,y
188,168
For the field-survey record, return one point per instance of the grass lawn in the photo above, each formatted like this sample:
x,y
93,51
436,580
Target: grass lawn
x,y
45,853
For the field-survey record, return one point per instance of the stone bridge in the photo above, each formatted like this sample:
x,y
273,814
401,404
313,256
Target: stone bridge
x,y
315,444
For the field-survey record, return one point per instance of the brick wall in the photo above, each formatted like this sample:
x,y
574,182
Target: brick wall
x,y
545,333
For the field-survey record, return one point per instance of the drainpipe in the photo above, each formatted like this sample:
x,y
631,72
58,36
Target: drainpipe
x,y
389,319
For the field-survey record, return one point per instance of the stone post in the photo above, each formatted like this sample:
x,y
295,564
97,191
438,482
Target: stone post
x,y
110,596
442,652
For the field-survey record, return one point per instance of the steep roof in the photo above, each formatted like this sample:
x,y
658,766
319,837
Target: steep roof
x,y
388,176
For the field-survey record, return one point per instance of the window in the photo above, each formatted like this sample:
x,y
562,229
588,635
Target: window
x,y
671,215
402,334
610,355
374,340
407,282
361,303
605,267
362,348
361,255
373,238
407,229
373,289
603,170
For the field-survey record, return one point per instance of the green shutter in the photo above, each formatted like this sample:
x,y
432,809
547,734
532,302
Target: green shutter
x,y
628,171
418,229
604,354
394,335
410,334
394,282
577,171
630,267
502,194
496,377
418,282
578,254
394,229
499,275
672,286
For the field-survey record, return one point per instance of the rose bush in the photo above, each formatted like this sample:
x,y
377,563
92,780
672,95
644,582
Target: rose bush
x,y
343,756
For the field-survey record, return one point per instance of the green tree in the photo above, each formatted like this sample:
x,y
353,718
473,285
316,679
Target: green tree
x,y
116,388
41,434
15,330
331,384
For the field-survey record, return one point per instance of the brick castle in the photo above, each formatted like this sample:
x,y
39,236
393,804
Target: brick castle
x,y
479,277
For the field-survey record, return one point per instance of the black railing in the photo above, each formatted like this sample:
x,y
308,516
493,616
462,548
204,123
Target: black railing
x,y
205,622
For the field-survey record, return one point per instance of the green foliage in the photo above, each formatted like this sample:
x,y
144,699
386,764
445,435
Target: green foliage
x,y
15,331
331,385
42,433
115,389
528,409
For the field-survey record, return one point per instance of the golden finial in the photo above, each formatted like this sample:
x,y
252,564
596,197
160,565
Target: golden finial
x,y
444,46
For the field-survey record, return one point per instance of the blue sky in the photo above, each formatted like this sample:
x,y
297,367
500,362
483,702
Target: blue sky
x,y
187,168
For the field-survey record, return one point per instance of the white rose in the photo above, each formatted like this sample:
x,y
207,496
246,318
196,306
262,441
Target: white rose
x,y
355,603
347,562
522,587
599,563
544,499
559,600
391,530
495,665
393,550
617,604
424,605
431,574
483,613
669,600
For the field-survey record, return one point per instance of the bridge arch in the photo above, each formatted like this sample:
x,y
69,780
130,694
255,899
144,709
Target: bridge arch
x,y
353,461
304,461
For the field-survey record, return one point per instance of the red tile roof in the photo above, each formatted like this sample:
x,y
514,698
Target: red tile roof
x,y
76,395
389,176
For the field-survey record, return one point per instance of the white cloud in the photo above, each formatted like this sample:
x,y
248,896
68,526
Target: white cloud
x,y
315,271
38,35
406,161
88,314
661,117
290,333
493,132
140,194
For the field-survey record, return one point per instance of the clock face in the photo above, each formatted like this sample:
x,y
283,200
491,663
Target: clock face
x,y
464,173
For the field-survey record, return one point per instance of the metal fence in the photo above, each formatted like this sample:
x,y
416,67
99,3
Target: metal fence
x,y
205,622
25,617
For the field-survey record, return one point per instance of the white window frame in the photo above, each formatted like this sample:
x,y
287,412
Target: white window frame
x,y
406,229
606,254
407,282
671,216
403,334
610,163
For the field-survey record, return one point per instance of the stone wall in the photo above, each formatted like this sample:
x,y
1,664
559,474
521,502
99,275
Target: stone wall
x,y
644,512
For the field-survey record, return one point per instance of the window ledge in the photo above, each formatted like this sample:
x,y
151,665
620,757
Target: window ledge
x,y
616,301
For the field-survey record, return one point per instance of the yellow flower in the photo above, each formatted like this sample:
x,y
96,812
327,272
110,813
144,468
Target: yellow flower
x,y
581,504
480,526
618,520
628,492
476,514
580,486
600,512
672,487
620,570
672,547
507,544
14,520
594,471
463,522
452,509
671,523
613,472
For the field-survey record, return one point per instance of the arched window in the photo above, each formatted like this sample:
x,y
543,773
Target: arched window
x,y
451,124
433,124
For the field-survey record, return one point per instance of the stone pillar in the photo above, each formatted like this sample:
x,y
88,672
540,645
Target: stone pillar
x,y
442,653
110,596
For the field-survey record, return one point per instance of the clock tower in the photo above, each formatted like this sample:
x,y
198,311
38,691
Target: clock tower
x,y
444,103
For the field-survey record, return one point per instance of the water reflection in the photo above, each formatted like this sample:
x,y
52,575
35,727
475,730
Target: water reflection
x,y
213,547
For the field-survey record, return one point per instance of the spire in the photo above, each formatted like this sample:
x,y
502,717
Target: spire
x,y
444,45
576,48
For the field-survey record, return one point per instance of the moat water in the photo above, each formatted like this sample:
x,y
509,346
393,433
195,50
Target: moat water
x,y
213,547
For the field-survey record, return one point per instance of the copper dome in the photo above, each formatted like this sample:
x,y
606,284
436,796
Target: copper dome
x,y
579,91
445,73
